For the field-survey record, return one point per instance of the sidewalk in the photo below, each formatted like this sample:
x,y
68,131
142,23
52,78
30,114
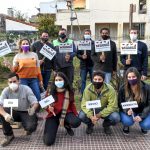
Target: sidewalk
x,y
81,141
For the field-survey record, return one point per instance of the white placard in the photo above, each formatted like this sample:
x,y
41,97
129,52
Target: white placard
x,y
4,48
47,101
102,46
48,52
93,104
127,105
128,48
84,45
65,48
10,103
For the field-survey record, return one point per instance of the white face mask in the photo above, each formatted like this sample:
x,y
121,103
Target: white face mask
x,y
133,37
87,37
13,86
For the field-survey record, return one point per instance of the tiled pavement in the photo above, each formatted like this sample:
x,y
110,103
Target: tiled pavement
x,y
97,141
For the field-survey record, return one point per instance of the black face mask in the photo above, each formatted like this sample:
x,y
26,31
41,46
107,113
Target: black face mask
x,y
62,36
105,37
44,40
97,85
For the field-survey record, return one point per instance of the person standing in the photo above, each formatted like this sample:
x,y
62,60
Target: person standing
x,y
46,65
107,61
139,61
26,65
86,63
64,61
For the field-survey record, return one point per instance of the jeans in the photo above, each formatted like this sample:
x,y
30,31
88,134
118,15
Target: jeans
x,y
33,83
83,74
46,76
128,121
28,122
107,77
113,117
52,123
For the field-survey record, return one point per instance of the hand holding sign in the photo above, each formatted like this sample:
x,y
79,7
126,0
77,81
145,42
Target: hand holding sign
x,y
9,118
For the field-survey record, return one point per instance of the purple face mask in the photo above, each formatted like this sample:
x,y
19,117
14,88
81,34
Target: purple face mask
x,y
25,48
133,81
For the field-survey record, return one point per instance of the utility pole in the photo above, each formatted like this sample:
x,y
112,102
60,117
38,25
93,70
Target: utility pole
x,y
70,5
132,9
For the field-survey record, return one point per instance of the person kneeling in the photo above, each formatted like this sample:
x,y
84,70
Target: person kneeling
x,y
135,90
25,112
98,90
62,111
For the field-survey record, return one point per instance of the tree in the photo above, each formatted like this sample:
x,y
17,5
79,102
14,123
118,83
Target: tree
x,y
46,22
20,16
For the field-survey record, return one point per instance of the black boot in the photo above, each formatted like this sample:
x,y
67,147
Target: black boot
x,y
69,130
106,124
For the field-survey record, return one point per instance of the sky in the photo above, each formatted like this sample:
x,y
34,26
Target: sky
x,y
25,6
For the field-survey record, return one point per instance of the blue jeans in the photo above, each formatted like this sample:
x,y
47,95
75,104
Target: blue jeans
x,y
113,117
128,121
107,77
33,83
46,76
83,74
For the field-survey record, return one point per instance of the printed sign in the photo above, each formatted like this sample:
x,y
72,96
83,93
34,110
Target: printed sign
x,y
102,46
65,48
4,48
47,101
93,104
48,52
128,48
10,103
127,105
84,45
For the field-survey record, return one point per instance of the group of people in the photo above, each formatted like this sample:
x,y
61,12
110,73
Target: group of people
x,y
31,71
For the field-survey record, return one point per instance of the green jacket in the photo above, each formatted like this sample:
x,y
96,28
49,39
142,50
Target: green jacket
x,y
108,98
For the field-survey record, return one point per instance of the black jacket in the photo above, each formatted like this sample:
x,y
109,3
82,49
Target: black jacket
x,y
110,63
143,107
85,63
48,64
139,61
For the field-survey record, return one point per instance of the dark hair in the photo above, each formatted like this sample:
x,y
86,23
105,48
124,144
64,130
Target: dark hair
x,y
134,28
45,31
63,29
20,42
105,29
13,74
87,30
99,73
128,90
67,85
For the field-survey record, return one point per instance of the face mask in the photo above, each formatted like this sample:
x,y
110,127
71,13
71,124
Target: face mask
x,y
97,85
59,84
13,86
133,81
87,37
62,36
44,40
133,37
105,37
25,48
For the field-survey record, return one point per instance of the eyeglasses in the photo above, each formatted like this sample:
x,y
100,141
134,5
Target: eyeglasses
x,y
12,81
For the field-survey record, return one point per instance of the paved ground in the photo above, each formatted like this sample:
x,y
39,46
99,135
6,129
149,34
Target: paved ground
x,y
97,141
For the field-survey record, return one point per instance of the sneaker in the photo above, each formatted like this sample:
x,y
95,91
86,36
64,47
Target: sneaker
x,y
89,129
69,131
107,130
145,132
126,130
27,132
7,140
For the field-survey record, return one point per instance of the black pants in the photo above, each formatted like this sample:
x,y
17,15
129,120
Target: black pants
x,y
52,123
69,72
28,122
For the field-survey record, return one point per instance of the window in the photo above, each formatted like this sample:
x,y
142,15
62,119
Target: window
x,y
142,7
141,28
